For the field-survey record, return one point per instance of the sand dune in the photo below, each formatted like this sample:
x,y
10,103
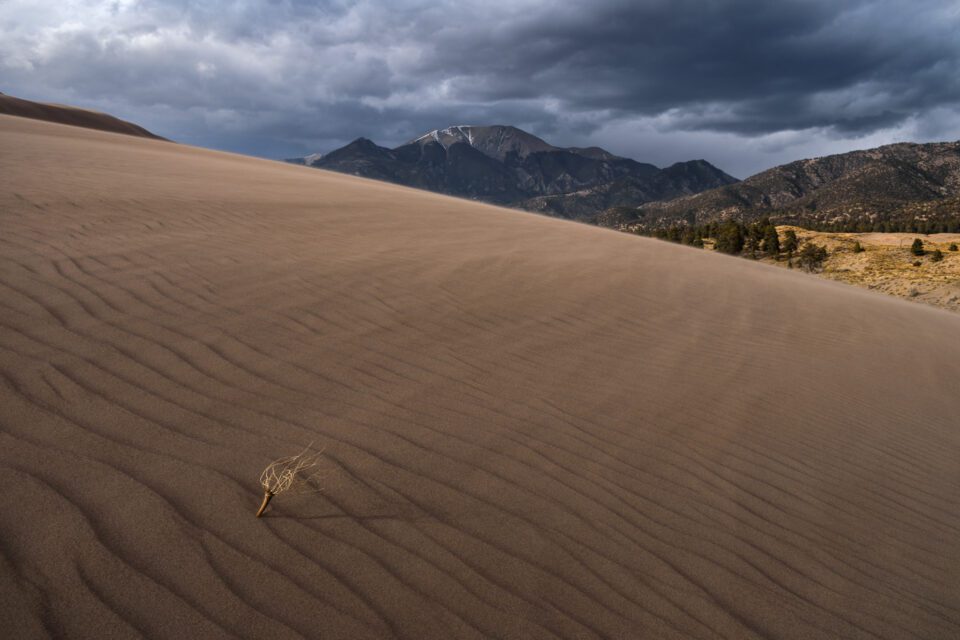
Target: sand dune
x,y
74,116
535,429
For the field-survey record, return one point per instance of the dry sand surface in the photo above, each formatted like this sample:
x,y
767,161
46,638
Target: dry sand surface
x,y
534,429
9,105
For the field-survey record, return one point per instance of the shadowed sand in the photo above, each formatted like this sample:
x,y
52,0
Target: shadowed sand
x,y
535,429
62,114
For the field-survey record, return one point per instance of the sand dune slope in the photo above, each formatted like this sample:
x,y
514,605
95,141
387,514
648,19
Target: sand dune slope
x,y
61,114
535,429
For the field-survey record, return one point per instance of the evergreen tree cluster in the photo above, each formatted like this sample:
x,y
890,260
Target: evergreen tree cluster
x,y
902,225
677,232
760,238
733,237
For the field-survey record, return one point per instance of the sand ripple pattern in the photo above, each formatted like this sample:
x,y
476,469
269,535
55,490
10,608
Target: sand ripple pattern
x,y
535,429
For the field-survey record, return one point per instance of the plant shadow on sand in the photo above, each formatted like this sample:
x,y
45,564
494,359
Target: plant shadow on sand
x,y
349,516
411,514
328,505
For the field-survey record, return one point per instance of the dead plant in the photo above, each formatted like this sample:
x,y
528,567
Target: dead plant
x,y
291,474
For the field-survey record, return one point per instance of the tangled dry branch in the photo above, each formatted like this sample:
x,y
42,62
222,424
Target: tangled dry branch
x,y
290,473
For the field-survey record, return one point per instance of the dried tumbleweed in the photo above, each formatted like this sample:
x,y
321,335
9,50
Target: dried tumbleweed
x,y
289,473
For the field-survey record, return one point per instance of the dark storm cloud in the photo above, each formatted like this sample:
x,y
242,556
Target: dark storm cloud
x,y
285,77
750,66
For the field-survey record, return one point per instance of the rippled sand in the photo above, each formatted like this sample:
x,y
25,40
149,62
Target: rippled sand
x,y
534,429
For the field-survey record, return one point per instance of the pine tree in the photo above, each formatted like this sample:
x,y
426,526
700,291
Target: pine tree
x,y
771,241
790,242
730,238
811,257
917,247
752,238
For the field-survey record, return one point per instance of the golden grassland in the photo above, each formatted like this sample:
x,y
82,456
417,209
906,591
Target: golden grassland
x,y
886,264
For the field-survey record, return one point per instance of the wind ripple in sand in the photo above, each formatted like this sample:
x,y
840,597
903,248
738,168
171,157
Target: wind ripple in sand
x,y
535,429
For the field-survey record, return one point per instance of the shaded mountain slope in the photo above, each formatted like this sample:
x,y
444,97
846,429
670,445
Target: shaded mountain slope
x,y
506,165
889,182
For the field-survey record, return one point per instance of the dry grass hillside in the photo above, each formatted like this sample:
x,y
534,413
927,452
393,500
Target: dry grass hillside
x,y
886,264
531,428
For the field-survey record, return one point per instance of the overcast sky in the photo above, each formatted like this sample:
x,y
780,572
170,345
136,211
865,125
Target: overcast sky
x,y
745,84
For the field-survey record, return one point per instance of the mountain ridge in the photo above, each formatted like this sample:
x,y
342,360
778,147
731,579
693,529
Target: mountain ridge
x,y
864,187
505,165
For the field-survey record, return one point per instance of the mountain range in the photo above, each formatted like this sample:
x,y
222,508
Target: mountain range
x,y
866,188
506,165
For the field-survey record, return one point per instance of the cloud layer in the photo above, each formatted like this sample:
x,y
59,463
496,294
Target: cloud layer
x,y
743,83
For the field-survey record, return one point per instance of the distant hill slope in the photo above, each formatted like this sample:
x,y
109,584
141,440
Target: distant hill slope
x,y
887,183
506,165
73,116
